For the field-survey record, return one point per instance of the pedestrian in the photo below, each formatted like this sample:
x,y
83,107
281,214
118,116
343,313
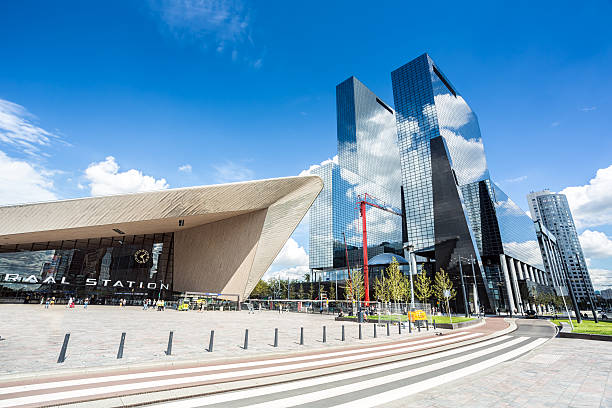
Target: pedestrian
x,y
86,303
145,304
47,303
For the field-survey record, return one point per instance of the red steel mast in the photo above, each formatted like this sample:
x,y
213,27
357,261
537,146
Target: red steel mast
x,y
362,207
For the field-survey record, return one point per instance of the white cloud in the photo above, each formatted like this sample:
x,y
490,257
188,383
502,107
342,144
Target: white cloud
x,y
588,108
291,262
596,244
591,203
21,182
294,273
230,172
105,179
210,23
601,278
516,179
186,168
309,170
18,130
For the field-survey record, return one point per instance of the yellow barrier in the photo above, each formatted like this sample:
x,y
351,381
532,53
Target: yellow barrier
x,y
417,315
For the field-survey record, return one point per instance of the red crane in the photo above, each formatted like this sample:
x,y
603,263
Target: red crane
x,y
363,201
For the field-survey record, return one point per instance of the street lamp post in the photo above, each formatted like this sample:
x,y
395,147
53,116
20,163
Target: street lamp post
x,y
336,293
593,310
476,305
465,302
408,254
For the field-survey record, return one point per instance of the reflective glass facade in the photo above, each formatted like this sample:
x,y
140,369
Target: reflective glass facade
x,y
368,162
453,209
433,160
102,269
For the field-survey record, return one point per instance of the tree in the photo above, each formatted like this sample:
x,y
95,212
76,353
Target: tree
x,y
300,291
406,288
442,283
332,291
261,290
354,287
380,289
394,281
422,286
307,277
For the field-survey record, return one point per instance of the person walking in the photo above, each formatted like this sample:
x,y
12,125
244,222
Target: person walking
x,y
86,303
47,303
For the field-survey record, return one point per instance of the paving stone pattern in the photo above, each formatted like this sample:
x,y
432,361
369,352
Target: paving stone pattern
x,y
34,335
560,373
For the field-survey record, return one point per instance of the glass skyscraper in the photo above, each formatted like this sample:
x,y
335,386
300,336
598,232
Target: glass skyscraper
x,y
368,162
553,211
427,159
454,211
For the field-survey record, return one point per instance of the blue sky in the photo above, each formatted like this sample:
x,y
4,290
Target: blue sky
x,y
120,96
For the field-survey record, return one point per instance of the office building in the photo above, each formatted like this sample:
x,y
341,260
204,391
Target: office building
x,y
553,211
368,162
454,211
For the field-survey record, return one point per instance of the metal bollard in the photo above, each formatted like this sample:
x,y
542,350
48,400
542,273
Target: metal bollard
x,y
211,341
434,323
62,355
427,324
121,343
409,326
419,326
342,332
374,330
169,350
399,327
388,331
246,339
360,332
275,337
324,334
301,336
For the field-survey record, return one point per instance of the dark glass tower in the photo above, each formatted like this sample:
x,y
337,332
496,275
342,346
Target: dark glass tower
x,y
453,210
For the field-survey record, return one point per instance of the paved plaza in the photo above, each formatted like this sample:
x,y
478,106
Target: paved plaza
x,y
34,335
560,373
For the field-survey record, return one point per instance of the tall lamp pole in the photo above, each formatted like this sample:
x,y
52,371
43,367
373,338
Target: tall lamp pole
x,y
476,303
465,302
409,255
593,310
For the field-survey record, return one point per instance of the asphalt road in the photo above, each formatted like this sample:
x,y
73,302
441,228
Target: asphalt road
x,y
387,383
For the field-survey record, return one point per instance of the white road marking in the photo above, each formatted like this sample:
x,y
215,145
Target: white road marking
x,y
375,382
110,389
183,371
293,385
393,395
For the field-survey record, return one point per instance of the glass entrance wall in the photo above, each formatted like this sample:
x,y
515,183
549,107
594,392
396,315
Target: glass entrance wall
x,y
105,270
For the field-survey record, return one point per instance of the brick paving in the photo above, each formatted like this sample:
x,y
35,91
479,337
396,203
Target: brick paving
x,y
561,373
34,335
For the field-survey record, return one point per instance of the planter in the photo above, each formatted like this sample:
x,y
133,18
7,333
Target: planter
x,y
585,336
461,325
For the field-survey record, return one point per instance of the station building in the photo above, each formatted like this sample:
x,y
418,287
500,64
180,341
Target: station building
x,y
217,239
